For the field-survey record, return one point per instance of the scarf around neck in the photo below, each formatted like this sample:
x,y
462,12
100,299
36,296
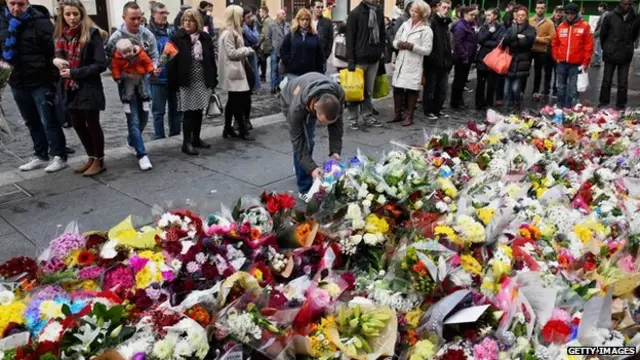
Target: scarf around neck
x,y
373,24
68,47
196,49
15,24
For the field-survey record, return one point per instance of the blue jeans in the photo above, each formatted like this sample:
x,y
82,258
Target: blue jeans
x,y
512,90
160,96
136,121
567,75
37,107
303,179
275,76
597,54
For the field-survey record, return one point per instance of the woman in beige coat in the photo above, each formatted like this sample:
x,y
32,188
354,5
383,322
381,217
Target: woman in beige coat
x,y
232,62
414,39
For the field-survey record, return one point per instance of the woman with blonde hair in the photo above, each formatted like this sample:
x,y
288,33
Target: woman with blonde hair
x,y
80,58
192,75
301,51
414,40
234,76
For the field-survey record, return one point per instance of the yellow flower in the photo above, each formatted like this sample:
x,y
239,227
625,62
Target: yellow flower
x,y
488,286
413,317
494,139
447,186
89,285
376,224
11,313
506,250
424,349
257,273
583,233
50,309
470,264
548,144
500,268
447,231
540,192
72,259
525,233
143,278
333,289
485,214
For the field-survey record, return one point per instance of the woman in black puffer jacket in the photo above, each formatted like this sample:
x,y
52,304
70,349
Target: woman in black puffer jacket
x,y
519,39
489,36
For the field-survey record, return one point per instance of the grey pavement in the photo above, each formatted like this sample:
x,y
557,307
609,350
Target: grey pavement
x,y
35,207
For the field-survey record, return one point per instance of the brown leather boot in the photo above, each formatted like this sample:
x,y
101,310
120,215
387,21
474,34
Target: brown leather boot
x,y
412,100
398,99
96,168
84,167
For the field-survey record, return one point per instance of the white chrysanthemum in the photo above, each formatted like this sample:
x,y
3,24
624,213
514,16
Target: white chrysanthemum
x,y
6,297
51,332
163,349
373,239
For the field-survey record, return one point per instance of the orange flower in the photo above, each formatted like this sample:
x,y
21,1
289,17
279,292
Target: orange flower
x,y
302,232
420,268
85,258
413,338
255,234
200,315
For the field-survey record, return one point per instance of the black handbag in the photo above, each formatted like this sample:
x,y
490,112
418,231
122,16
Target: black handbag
x,y
248,70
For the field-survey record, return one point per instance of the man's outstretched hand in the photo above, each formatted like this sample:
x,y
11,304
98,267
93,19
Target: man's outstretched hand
x,y
316,173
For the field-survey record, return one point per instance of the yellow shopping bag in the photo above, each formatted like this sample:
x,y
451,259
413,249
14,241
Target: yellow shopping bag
x,y
353,84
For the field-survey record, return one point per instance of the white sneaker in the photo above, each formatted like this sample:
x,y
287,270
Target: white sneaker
x,y
145,163
146,106
33,164
127,108
56,165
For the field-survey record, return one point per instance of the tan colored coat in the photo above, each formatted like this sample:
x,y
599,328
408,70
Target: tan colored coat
x,y
545,31
231,53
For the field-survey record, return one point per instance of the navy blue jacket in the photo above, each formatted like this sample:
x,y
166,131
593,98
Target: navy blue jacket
x,y
163,35
302,54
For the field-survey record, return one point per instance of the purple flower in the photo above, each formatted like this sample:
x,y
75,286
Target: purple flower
x,y
92,272
64,244
193,267
137,263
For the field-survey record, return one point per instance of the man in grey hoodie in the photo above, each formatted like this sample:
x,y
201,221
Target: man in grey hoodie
x,y
136,113
311,98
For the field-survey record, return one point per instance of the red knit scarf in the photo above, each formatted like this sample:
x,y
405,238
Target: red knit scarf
x,y
68,48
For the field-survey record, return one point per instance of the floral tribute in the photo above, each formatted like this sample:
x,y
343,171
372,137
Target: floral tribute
x,y
511,238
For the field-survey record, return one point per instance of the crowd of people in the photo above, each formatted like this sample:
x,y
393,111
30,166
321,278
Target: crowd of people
x,y
178,66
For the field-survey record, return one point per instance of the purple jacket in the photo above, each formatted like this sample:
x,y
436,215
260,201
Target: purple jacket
x,y
465,41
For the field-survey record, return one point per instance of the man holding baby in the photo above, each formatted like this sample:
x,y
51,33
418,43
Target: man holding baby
x,y
133,82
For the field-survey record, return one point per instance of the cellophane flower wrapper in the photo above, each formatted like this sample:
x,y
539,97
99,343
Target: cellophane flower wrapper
x,y
382,345
432,321
267,333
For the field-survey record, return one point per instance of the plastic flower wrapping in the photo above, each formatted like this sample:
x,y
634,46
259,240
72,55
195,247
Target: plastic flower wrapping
x,y
511,238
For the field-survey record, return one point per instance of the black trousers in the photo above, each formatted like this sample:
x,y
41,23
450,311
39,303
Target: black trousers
x,y
607,79
460,75
262,63
435,90
500,88
191,126
237,107
539,61
485,88
549,71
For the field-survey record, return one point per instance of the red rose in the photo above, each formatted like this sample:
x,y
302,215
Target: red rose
x,y
349,278
556,331
286,201
46,347
209,271
94,241
273,206
172,247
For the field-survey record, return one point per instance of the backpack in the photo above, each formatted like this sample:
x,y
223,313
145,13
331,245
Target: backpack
x,y
341,47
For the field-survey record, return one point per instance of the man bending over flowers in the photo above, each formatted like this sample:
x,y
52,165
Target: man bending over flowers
x,y
308,99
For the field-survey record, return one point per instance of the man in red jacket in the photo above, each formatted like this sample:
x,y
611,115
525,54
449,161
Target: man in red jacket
x,y
572,47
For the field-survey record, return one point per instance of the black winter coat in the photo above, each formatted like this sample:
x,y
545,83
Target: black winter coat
x,y
33,62
179,68
618,35
441,56
520,48
325,34
359,49
93,62
488,41
301,55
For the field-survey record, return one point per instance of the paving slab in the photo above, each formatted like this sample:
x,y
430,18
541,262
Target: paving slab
x,y
96,207
5,228
16,244
53,184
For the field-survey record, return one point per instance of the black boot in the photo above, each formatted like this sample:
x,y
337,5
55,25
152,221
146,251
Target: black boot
x,y
196,141
187,135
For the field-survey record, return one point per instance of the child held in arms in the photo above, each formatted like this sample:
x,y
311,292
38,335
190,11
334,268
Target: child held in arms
x,y
129,66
